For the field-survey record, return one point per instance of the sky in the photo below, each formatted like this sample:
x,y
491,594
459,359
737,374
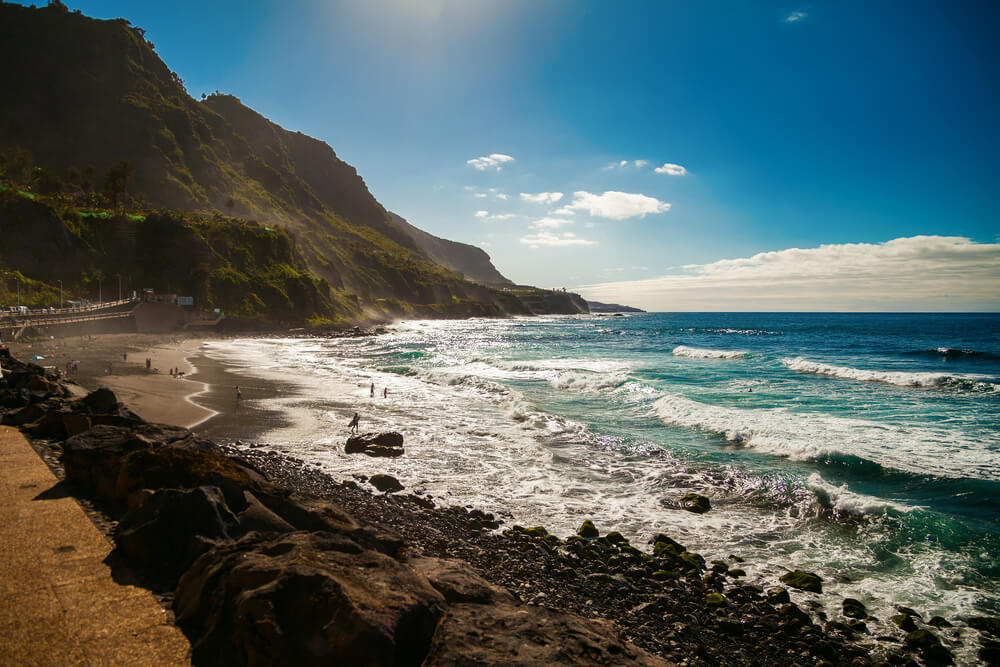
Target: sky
x,y
667,155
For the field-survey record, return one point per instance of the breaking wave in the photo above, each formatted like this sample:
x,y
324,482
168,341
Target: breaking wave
x,y
700,353
899,378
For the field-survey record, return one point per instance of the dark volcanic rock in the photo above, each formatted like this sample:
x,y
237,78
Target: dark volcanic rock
x,y
806,581
382,444
305,599
503,634
386,483
458,582
695,502
854,608
175,526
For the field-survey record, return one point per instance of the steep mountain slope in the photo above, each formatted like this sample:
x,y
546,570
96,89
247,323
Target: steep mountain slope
x,y
468,261
83,94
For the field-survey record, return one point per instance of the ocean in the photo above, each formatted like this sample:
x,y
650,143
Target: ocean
x,y
862,447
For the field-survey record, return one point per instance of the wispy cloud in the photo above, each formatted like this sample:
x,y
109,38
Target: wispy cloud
x,y
480,195
795,16
502,196
550,240
671,169
542,197
625,163
503,216
938,273
482,214
489,161
615,205
551,223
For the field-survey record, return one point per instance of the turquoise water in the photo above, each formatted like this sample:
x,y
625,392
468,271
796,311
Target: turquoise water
x,y
863,447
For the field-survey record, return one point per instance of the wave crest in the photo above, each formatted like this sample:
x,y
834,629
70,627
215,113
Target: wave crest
x,y
699,353
899,378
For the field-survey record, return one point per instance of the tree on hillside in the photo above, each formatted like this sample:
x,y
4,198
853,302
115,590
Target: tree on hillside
x,y
115,183
17,165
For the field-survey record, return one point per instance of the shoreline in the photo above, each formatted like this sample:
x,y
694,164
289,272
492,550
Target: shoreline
x,y
507,559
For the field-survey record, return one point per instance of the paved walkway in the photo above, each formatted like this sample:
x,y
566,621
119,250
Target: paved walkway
x,y
58,602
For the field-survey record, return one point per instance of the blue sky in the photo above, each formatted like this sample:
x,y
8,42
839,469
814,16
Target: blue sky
x,y
843,125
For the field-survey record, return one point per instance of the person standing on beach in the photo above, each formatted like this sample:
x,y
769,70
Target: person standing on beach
x,y
353,425
373,390
239,394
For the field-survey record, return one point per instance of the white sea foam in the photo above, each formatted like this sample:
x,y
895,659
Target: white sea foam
x,y
980,383
841,499
699,353
944,452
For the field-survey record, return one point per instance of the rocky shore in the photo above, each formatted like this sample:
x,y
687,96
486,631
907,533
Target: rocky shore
x,y
265,559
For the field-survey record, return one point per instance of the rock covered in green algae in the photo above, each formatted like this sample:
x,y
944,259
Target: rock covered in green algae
x,y
854,608
805,581
695,502
588,530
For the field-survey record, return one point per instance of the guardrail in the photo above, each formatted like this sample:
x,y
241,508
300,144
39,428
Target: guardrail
x,y
45,312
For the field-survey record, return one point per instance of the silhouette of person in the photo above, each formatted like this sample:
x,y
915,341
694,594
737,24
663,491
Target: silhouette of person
x,y
354,423
385,393
239,394
373,390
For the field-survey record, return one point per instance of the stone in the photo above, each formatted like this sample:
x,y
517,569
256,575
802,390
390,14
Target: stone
x,y
101,402
854,608
503,634
588,530
939,622
989,624
258,517
175,467
74,424
305,599
458,582
386,483
805,581
175,526
379,445
904,621
778,595
695,502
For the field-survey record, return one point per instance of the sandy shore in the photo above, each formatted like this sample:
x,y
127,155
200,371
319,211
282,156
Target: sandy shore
x,y
152,393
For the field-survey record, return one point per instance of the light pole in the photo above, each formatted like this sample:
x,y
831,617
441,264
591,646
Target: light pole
x,y
119,286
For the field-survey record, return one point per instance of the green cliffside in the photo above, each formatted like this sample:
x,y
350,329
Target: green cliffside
x,y
83,94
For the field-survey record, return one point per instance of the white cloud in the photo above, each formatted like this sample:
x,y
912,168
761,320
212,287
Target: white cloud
x,y
542,197
551,223
480,195
918,273
484,244
671,169
795,16
482,214
503,216
487,161
550,240
502,196
470,188
615,205
624,163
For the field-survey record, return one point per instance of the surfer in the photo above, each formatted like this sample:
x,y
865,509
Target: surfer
x,y
354,423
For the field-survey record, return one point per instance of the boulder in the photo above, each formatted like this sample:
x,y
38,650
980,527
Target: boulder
x,y
905,622
588,530
989,624
385,483
505,634
381,444
92,458
175,526
854,608
168,466
695,502
805,581
305,599
257,516
458,582
100,402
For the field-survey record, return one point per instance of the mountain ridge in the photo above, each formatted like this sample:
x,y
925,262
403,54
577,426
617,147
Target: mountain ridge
x,y
107,97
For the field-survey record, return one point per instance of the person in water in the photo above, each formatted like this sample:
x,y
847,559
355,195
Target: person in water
x,y
239,394
373,390
354,423
385,392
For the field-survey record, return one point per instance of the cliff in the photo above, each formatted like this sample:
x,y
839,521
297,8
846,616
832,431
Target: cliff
x,y
83,94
